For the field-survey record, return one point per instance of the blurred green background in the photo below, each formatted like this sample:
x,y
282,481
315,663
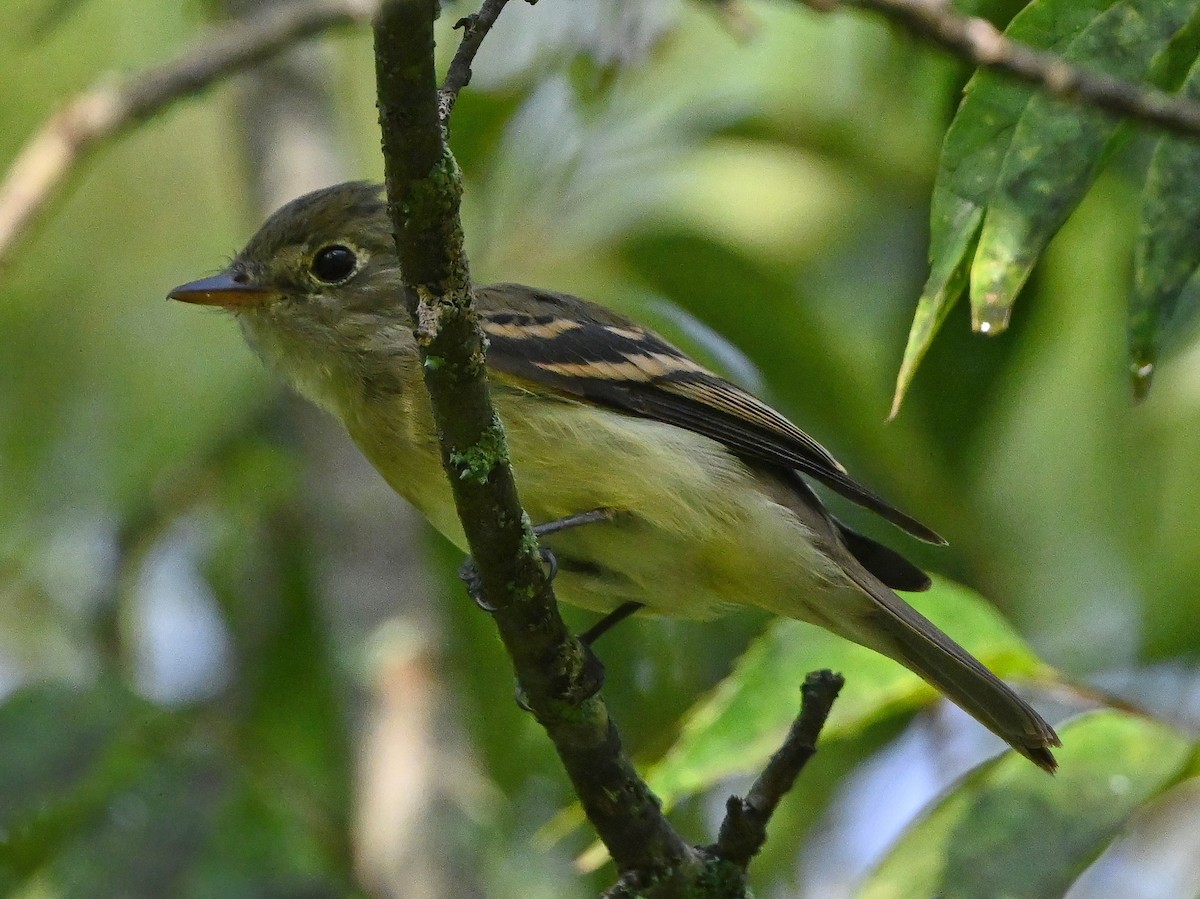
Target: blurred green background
x,y
237,666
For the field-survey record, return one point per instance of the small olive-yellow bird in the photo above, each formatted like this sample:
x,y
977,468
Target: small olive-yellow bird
x,y
710,484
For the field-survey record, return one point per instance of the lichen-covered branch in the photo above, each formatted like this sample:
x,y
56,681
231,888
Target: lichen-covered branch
x,y
106,110
552,667
474,28
978,41
744,829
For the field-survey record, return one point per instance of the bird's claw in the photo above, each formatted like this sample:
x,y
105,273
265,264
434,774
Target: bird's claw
x,y
551,561
574,688
469,575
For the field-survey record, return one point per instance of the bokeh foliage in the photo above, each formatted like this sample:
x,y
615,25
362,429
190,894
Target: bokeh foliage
x,y
186,683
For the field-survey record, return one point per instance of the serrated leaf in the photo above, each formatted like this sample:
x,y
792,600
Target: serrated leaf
x,y
989,148
1056,151
1009,830
737,727
1167,256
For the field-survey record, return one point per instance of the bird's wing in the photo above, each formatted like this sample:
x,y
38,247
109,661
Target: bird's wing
x,y
590,352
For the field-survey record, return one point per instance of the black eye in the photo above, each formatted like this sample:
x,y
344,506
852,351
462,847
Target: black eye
x,y
334,264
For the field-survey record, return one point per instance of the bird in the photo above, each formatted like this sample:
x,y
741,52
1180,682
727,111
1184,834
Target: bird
x,y
708,486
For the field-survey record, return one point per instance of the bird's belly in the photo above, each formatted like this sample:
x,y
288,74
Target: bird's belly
x,y
630,560
694,530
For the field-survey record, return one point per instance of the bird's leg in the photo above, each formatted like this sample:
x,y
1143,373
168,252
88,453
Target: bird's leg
x,y
592,677
468,574
621,612
573,521
608,622
593,669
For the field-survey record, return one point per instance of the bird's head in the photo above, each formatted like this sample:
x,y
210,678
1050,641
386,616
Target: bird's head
x,y
327,252
318,289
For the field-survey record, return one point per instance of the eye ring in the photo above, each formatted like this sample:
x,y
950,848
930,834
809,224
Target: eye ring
x,y
334,264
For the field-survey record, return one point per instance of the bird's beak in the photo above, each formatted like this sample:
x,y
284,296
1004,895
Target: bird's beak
x,y
223,290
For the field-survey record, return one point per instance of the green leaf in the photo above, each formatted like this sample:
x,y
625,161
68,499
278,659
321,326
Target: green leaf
x,y
264,841
51,17
1167,257
1159,845
972,156
947,281
1009,830
736,728
149,833
1015,162
1056,151
103,794
64,753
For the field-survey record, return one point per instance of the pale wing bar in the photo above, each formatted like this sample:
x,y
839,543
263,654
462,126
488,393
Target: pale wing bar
x,y
603,358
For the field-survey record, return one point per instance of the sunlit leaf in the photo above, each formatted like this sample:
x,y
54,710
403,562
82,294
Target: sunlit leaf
x,y
1009,830
735,729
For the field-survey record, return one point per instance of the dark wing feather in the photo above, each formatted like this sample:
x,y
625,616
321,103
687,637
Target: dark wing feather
x,y
593,353
884,562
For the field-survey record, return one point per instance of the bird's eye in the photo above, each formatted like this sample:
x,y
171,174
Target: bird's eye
x,y
334,264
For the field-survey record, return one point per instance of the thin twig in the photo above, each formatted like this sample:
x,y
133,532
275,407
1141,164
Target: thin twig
x,y
475,28
556,676
979,41
744,829
104,111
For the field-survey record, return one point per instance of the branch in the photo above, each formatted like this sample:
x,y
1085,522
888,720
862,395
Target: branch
x,y
475,28
104,111
552,668
744,829
978,41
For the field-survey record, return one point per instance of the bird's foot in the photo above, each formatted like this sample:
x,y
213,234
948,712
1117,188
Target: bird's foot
x,y
469,575
608,622
593,516
573,687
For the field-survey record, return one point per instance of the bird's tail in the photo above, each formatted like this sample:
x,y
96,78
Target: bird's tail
x,y
897,630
